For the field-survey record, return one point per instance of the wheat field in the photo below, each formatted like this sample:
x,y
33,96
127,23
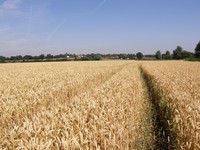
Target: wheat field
x,y
73,105
179,84
97,105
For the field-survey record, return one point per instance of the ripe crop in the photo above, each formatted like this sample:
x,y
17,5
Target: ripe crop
x,y
73,105
100,105
178,83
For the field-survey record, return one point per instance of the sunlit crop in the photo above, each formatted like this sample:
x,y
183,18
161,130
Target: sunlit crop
x,y
179,84
100,105
74,105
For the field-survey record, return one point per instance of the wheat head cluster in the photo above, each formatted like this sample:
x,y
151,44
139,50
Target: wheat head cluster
x,y
74,105
179,84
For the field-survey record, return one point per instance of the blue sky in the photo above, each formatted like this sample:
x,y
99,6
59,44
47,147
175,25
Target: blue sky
x,y
97,26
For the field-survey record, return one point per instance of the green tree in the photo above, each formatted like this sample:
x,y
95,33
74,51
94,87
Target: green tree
x,y
131,56
92,57
139,55
49,56
122,56
18,57
12,58
186,54
158,55
197,50
42,56
26,57
177,53
167,55
2,59
163,56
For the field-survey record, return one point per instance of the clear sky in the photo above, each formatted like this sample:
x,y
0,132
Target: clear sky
x,y
97,26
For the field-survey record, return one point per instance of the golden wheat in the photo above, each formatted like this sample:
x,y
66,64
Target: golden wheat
x,y
74,105
179,83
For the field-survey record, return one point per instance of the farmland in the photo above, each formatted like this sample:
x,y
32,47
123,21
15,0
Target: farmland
x,y
178,85
100,105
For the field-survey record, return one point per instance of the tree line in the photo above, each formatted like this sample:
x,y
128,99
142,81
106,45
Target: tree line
x,y
65,57
178,53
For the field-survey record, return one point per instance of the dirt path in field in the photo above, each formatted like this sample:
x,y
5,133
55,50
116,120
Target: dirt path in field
x,y
165,138
120,96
